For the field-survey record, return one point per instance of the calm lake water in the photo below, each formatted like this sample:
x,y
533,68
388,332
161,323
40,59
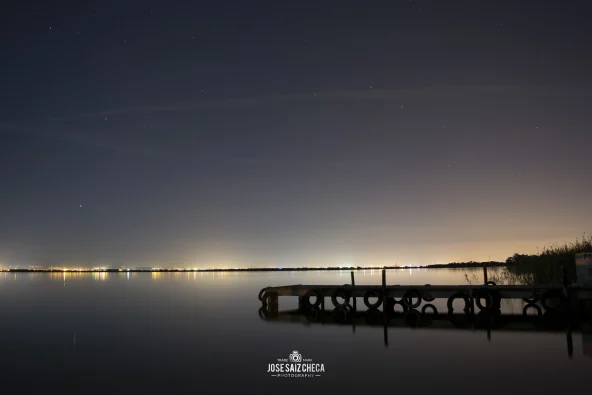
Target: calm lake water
x,y
200,333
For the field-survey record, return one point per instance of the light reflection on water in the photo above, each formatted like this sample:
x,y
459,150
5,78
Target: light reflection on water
x,y
200,332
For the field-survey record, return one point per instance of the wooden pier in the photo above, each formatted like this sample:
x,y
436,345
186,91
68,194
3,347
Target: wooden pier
x,y
485,297
553,308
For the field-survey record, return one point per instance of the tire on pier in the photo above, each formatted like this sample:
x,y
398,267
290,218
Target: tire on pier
x,y
427,296
391,303
458,295
549,295
316,294
428,318
340,293
370,294
408,298
492,299
536,307
431,307
262,294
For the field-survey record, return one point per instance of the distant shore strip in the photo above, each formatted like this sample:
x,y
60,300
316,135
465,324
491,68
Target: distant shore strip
x,y
266,269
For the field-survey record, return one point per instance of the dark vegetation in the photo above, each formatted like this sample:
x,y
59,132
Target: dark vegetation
x,y
544,268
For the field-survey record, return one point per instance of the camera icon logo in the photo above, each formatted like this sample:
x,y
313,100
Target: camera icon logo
x,y
295,356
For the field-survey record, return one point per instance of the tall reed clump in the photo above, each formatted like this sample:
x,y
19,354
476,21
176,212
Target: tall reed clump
x,y
544,268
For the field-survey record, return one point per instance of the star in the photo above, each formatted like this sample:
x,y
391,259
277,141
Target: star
x,y
50,28
105,118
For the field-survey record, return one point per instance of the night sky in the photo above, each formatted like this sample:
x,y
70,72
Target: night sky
x,y
288,133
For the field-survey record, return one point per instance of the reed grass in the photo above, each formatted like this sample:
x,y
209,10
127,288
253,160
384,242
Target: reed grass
x,y
543,268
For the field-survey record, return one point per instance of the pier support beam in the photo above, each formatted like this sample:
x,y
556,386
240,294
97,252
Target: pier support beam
x,y
301,302
353,283
272,302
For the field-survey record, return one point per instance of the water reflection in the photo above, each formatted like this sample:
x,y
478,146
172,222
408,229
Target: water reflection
x,y
430,318
175,335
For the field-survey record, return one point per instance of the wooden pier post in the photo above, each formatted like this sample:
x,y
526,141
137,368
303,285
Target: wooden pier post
x,y
484,274
301,303
272,303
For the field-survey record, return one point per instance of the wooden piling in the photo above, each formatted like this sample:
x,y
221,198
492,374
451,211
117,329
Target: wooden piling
x,y
272,303
301,302
484,275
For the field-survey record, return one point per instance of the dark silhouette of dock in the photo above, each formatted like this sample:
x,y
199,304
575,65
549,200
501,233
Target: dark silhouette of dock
x,y
552,308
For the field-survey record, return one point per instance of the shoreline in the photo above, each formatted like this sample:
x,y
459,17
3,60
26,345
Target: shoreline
x,y
286,269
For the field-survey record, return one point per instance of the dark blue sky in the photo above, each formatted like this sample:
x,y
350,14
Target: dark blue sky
x,y
292,133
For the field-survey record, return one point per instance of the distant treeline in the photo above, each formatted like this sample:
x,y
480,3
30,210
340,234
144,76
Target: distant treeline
x,y
264,269
469,264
